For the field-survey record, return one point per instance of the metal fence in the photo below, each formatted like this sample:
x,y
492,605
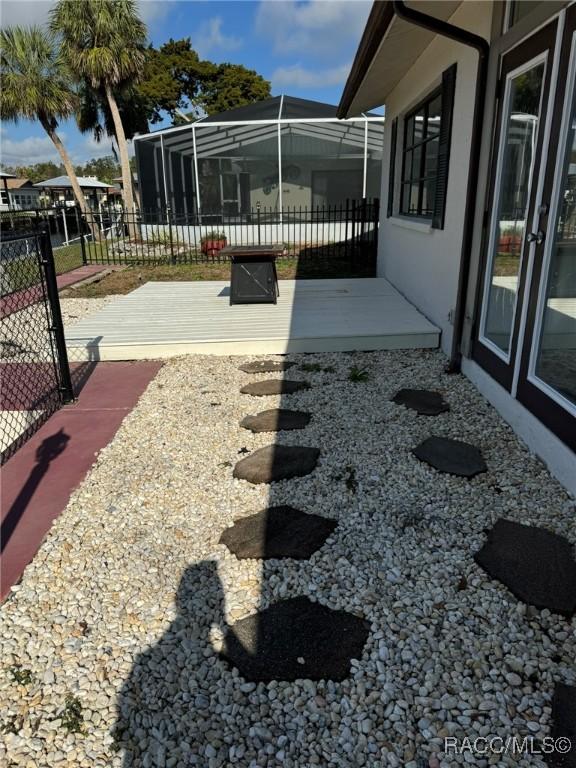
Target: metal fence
x,y
64,225
348,231
35,374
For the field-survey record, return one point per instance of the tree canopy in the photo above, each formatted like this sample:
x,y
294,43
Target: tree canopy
x,y
176,79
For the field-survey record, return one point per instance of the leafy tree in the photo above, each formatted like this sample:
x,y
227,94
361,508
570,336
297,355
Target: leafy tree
x,y
103,42
35,85
175,79
104,168
230,86
172,79
36,172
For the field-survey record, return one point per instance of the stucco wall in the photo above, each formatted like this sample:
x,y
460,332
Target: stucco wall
x,y
421,262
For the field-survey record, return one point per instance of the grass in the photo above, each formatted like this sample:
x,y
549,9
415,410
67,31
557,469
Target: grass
x,y
23,273
126,280
506,265
358,374
72,718
21,675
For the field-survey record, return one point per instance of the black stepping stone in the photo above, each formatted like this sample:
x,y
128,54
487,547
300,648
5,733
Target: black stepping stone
x,y
295,639
273,387
275,420
452,456
422,401
537,566
564,726
266,366
277,462
277,532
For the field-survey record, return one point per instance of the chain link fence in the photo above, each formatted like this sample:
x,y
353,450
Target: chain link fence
x,y
34,370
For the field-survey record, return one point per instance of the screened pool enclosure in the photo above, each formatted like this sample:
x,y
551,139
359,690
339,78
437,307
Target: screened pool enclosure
x,y
277,156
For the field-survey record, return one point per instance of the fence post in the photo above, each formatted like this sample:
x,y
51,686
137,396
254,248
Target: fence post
x,y
258,219
353,243
376,216
80,230
57,327
169,219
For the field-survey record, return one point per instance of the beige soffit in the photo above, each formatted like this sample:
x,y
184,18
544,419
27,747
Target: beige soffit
x,y
400,47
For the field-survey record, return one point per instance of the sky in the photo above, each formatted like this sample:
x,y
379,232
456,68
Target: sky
x,y
305,48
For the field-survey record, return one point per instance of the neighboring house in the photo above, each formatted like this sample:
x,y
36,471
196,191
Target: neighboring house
x,y
282,152
59,191
18,194
478,217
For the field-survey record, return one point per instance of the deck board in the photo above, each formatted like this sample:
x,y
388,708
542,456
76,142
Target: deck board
x,y
161,320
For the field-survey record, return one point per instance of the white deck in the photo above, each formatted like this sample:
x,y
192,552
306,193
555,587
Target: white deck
x,y
161,320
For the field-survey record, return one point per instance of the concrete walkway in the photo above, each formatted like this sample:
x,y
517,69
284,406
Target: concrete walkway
x,y
38,480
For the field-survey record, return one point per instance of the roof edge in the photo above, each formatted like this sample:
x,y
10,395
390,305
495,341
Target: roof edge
x,y
377,24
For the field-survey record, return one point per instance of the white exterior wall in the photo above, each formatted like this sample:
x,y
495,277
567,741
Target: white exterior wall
x,y
421,262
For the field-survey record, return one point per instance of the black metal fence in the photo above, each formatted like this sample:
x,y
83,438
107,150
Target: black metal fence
x,y
35,375
348,231
65,228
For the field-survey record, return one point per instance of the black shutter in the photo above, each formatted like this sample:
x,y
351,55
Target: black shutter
x,y
392,171
448,89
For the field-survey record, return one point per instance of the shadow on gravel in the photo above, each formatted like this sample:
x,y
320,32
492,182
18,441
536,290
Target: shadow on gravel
x,y
167,705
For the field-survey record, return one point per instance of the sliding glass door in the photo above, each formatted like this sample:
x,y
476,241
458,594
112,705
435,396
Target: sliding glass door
x,y
547,375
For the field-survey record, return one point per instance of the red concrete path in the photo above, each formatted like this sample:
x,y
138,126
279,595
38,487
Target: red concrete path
x,y
38,480
18,300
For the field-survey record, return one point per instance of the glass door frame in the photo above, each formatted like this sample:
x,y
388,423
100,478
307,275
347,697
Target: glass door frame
x,y
546,403
537,47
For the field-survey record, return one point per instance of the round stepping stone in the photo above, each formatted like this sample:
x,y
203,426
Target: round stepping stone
x,y
422,401
274,387
266,366
295,639
276,462
537,566
564,726
275,420
452,456
277,532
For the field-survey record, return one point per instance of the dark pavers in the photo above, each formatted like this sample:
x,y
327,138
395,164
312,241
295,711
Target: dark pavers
x,y
277,462
274,387
277,532
537,566
423,401
275,420
452,456
563,726
266,366
295,639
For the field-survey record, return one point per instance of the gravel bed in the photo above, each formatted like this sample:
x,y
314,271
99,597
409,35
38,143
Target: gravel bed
x,y
74,310
109,643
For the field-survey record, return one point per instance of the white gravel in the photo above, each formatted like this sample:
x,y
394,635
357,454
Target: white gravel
x,y
74,310
450,651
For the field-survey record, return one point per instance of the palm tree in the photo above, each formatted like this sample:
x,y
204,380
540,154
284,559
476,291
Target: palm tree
x,y
34,85
103,42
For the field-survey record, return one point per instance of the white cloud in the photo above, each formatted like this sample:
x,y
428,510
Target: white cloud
x,y
210,37
300,77
34,149
314,28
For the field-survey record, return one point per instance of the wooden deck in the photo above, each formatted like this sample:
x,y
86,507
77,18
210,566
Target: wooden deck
x,y
162,320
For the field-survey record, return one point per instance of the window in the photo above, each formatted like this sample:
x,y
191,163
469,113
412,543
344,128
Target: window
x,y
4,199
420,157
426,154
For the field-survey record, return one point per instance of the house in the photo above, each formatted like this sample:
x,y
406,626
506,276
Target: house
x,y
18,194
279,153
478,201
59,191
